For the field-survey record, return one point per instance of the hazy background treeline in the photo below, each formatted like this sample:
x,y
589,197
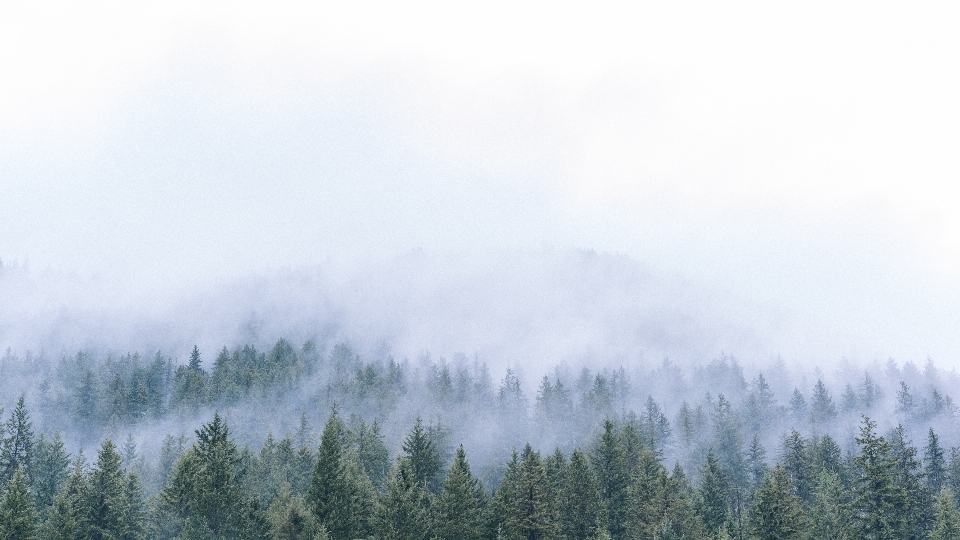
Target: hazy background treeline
x,y
288,390
326,443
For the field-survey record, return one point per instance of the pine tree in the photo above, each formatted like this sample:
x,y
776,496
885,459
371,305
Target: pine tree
x,y
204,495
17,515
404,510
934,469
609,465
830,515
17,446
798,408
947,517
106,494
580,505
500,522
796,461
916,510
338,497
290,519
51,468
712,501
757,467
877,497
776,513
460,507
822,409
533,510
425,460
69,517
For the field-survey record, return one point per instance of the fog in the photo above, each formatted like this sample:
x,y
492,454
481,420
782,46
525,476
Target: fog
x,y
681,193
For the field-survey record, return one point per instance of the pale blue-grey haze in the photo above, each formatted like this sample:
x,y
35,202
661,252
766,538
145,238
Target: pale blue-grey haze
x,y
790,168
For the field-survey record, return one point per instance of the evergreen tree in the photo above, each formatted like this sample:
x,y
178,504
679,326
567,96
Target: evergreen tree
x,y
106,494
425,460
798,407
69,517
947,517
372,452
18,517
17,445
916,510
609,465
501,524
533,510
204,497
797,463
580,505
822,409
757,467
404,511
338,496
830,515
51,468
712,501
460,507
290,519
776,513
934,466
877,497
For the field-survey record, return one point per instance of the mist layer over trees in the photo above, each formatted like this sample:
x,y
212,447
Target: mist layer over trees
x,y
310,441
320,436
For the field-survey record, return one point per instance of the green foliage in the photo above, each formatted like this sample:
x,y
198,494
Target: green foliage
x,y
831,518
460,508
204,496
290,519
51,468
425,460
18,518
340,496
776,513
877,497
69,517
404,509
713,495
610,467
17,445
946,517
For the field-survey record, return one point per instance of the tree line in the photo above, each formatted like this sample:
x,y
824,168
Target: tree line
x,y
617,487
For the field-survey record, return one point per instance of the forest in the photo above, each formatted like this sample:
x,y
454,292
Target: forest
x,y
318,441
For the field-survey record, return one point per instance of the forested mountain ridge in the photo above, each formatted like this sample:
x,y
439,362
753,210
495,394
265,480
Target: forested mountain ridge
x,y
587,455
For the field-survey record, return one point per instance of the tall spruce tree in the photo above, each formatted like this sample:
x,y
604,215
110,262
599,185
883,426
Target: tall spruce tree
x,y
69,517
613,479
404,509
946,517
916,512
776,513
713,495
338,495
204,497
51,468
18,518
533,510
460,507
580,505
934,465
106,494
877,497
425,460
830,515
17,445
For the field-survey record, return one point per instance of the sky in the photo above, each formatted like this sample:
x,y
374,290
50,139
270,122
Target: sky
x,y
799,157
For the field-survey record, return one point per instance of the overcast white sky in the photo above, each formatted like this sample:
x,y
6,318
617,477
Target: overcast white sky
x,y
798,154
